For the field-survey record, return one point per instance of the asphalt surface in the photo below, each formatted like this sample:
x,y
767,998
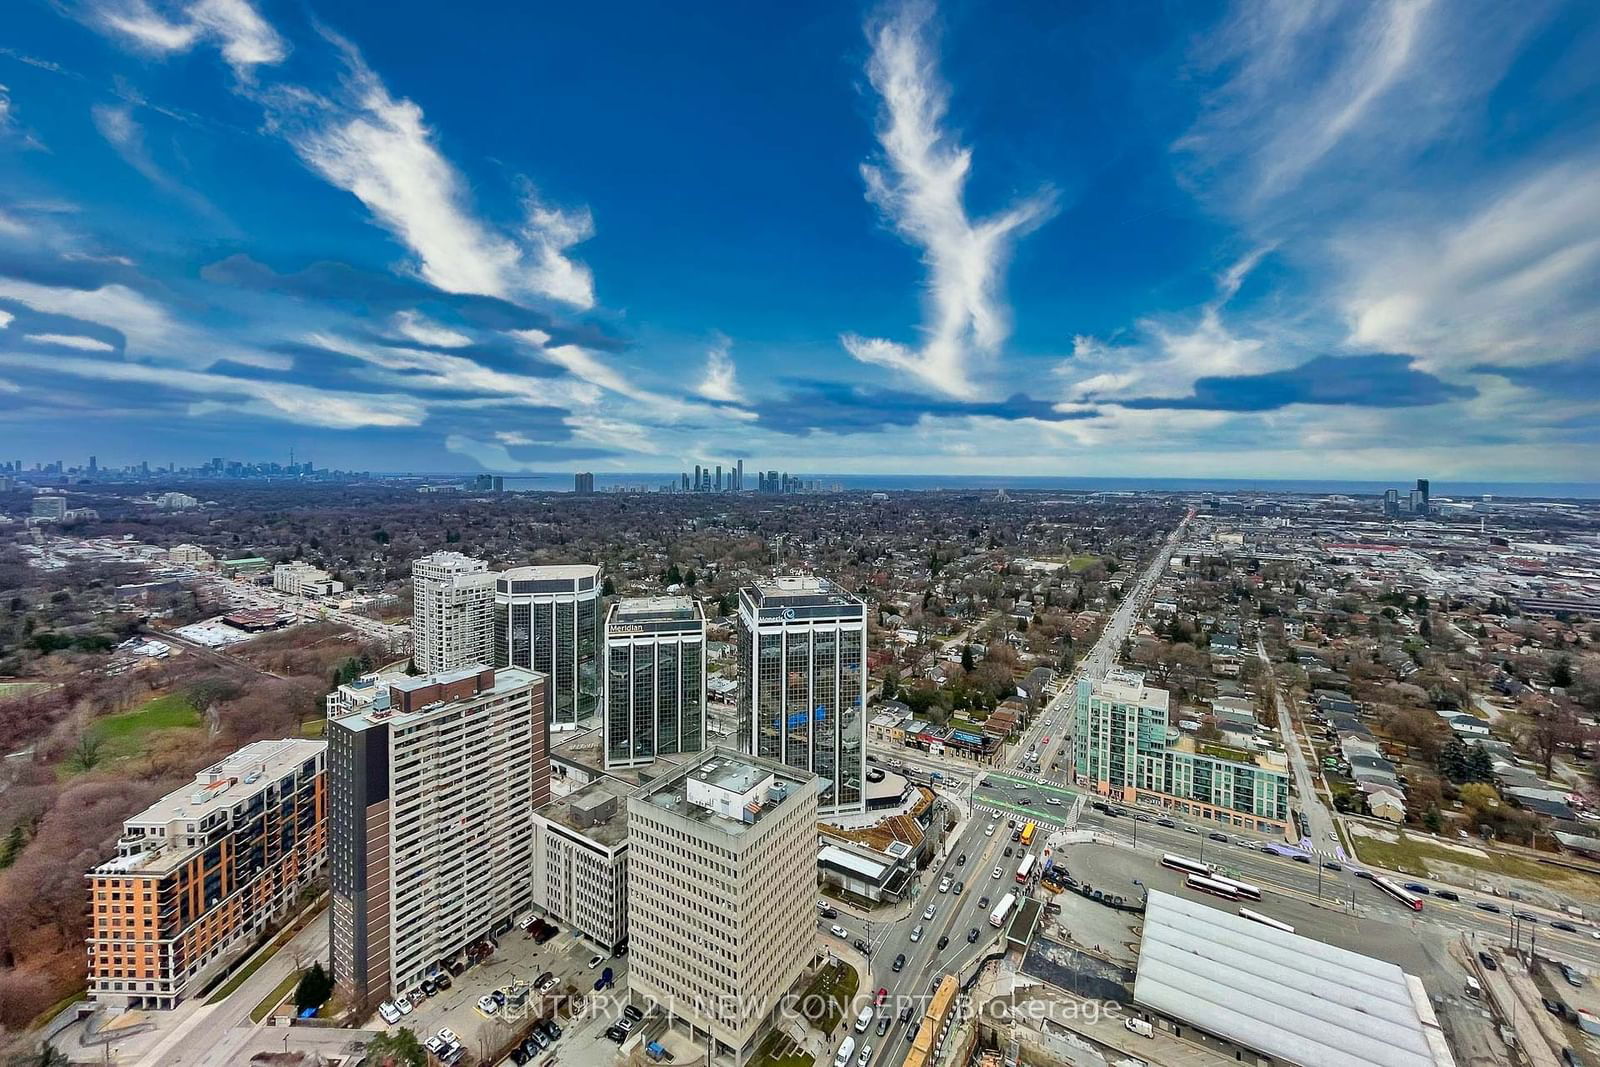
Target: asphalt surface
x,y
957,914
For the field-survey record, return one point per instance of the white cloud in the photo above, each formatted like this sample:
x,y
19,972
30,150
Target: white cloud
x,y
414,326
1170,356
719,383
512,437
380,150
921,191
6,319
72,340
9,386
277,400
118,126
1513,278
244,37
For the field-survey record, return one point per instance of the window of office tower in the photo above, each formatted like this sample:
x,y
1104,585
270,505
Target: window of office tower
x,y
850,718
691,706
644,745
796,704
617,714
588,669
666,699
566,667
769,696
825,709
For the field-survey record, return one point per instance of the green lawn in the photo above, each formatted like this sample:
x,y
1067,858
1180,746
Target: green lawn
x,y
779,1050
20,689
824,1000
1078,564
124,735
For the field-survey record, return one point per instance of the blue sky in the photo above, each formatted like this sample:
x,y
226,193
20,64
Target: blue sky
x,y
1269,240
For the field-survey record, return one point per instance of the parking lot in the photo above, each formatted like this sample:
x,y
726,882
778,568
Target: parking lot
x,y
512,971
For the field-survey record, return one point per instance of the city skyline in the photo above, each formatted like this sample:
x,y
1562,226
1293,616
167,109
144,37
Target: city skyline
x,y
1229,242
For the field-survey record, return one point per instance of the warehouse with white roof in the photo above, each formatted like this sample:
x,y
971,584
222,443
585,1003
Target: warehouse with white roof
x,y
1287,998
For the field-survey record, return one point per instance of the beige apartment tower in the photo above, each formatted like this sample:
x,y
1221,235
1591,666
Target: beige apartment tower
x,y
452,612
722,876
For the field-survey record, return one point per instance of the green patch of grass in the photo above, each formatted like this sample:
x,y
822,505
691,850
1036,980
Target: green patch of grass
x,y
316,728
779,1050
21,689
1413,855
1079,564
125,735
824,1000
274,998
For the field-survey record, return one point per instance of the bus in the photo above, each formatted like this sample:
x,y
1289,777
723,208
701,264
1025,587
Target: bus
x,y
997,917
1216,888
1026,868
1027,835
1245,890
1187,866
1266,920
1410,900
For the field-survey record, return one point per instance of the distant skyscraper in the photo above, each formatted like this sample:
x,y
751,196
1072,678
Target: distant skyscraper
x,y
547,619
719,477
738,478
1391,503
452,612
685,481
802,663
655,679
583,482
93,465
1422,494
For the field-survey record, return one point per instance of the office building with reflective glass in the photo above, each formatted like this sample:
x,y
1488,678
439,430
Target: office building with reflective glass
x,y
547,619
655,679
802,662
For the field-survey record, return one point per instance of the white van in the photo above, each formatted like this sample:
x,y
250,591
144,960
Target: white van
x,y
1473,988
846,1050
1141,1027
864,1019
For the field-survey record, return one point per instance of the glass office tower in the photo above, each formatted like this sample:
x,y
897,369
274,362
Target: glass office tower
x,y
547,619
802,693
655,679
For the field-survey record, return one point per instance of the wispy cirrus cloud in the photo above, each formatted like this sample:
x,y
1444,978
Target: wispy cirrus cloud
x,y
379,148
71,340
920,187
123,132
414,326
245,39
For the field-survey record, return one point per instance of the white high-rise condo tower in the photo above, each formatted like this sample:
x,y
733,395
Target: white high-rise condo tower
x,y
452,612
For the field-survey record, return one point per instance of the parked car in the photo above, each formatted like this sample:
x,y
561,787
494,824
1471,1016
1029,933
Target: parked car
x,y
403,1004
448,1036
487,1005
595,961
1488,961
388,1013
838,931
632,1014
617,1034
830,913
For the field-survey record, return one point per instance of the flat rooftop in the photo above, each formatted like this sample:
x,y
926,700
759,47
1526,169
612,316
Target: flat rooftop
x,y
557,571
644,610
505,680
611,831
1288,997
724,769
1127,687
232,779
807,595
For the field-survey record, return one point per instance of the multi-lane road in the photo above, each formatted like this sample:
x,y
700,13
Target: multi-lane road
x,y
955,914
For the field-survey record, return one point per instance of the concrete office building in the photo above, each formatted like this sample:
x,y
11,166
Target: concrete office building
x,y
50,508
430,822
452,612
1124,748
547,619
721,887
580,862
655,679
302,579
202,871
802,662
